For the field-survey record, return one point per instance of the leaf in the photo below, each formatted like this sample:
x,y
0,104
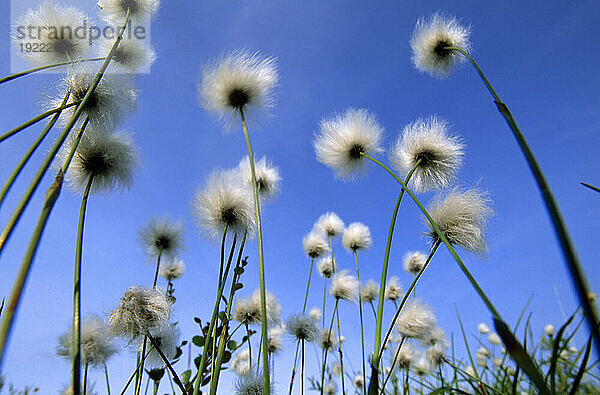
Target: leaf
x,y
198,340
226,356
555,351
185,376
239,270
518,353
231,344
579,376
238,286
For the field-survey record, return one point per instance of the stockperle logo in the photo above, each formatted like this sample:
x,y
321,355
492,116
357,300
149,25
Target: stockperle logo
x,y
64,36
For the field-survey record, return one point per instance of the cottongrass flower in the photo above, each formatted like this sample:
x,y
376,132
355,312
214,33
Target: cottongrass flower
x,y
341,141
483,328
413,262
141,310
439,156
314,244
224,203
56,38
97,345
429,40
470,370
436,336
275,339
336,369
407,354
132,55
344,286
267,176
330,388
356,237
240,81
172,269
416,320
167,339
369,292
109,159
139,10
248,310
494,339
329,340
549,330
359,381
462,217
327,267
482,356
251,383
315,313
393,290
162,237
497,362
435,355
330,224
112,100
420,367
304,328
241,362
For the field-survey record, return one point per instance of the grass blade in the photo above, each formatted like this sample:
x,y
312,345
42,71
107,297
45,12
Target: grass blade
x,y
581,372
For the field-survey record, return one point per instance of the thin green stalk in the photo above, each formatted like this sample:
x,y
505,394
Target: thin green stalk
x,y
9,183
593,188
107,380
393,363
362,332
340,351
140,369
166,361
249,345
326,349
41,68
76,326
261,268
407,295
302,369
294,368
35,120
576,270
7,231
324,297
85,374
221,280
384,269
157,269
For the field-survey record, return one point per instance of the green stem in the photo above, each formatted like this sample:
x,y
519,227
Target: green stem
x,y
76,326
324,297
9,183
35,120
593,188
393,363
41,68
166,361
85,375
294,368
249,346
157,269
576,270
326,349
107,381
261,268
140,369
337,314
362,332
302,369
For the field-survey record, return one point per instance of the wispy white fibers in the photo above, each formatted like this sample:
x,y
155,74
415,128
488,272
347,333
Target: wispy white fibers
x,y
369,292
330,224
327,267
172,269
429,39
241,362
328,341
131,56
275,339
314,244
267,176
439,155
413,262
303,327
224,202
494,339
416,320
167,338
238,81
250,383
483,328
52,33
248,310
330,388
549,330
406,356
359,381
357,236
344,286
139,10
315,313
109,158
162,236
341,140
393,290
97,345
461,217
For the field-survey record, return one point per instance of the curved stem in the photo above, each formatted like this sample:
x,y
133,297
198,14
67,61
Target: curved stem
x,y
393,363
41,68
362,332
312,261
166,361
337,314
107,380
85,375
261,268
249,345
157,269
36,119
76,326
326,349
11,180
576,270
324,297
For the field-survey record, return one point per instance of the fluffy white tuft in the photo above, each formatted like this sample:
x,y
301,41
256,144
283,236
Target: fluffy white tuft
x,y
341,141
327,266
359,381
369,292
344,286
275,339
167,338
356,237
393,290
249,310
315,313
330,388
139,10
314,244
413,262
132,56
267,176
494,339
483,328
549,330
328,341
416,320
97,345
161,236
407,354
172,269
330,224
304,327
241,362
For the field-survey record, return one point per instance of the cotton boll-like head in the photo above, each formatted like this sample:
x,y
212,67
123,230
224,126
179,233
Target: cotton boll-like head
x,y
330,388
436,336
413,262
240,363
109,159
393,290
430,39
53,34
267,176
250,383
314,244
249,310
369,292
139,10
462,217
425,146
329,340
132,56
224,202
161,236
172,269
406,356
239,81
549,330
483,328
141,309
327,267
494,339
330,224
359,381
315,313
97,345
416,320
356,237
166,338
435,355
341,141
303,327
275,339
344,286
273,307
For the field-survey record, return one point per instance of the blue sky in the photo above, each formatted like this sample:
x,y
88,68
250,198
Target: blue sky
x,y
331,55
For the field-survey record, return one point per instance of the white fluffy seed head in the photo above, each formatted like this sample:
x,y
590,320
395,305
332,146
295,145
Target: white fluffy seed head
x,y
238,81
315,313
250,383
249,310
132,56
408,353
429,39
330,224
139,10
436,336
549,330
483,328
172,269
341,141
109,159
426,146
97,345
275,339
497,362
336,369
267,176
359,381
356,237
54,34
330,388
314,244
141,310
303,327
413,262
344,286
329,340
462,217
224,202
494,339
240,363
416,320
435,355
167,338
369,292
162,236
470,370
393,290
327,266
